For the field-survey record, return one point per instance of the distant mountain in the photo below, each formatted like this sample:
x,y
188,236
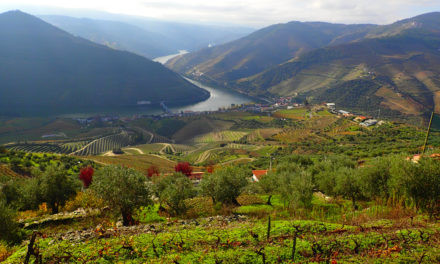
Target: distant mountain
x,y
115,34
393,67
261,50
43,67
150,38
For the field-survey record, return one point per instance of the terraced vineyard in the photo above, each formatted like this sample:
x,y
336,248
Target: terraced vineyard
x,y
105,144
160,139
40,148
182,148
74,146
227,136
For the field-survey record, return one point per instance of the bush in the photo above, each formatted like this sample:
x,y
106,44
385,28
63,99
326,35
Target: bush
x,y
420,183
9,229
86,176
173,190
85,199
123,189
184,168
149,214
225,185
118,151
269,184
30,196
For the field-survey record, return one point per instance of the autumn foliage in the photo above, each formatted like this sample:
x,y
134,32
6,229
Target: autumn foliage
x,y
152,171
86,176
184,168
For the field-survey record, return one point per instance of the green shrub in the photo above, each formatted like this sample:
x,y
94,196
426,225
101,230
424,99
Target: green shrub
x,y
9,229
149,214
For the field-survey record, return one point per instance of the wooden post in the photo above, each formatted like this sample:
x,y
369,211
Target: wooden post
x,y
294,246
268,229
427,133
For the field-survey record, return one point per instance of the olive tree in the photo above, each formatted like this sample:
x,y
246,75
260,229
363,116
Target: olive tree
x,y
225,185
376,177
56,187
173,190
124,189
296,188
348,184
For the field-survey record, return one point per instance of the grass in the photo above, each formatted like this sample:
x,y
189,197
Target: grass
x,y
298,113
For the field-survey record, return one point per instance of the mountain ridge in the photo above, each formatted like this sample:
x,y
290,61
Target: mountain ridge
x,y
405,53
45,67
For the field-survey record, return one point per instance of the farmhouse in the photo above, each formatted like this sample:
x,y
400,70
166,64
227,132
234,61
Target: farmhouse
x,y
369,122
257,174
331,105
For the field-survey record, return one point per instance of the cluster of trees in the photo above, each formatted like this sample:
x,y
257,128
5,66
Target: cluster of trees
x,y
298,177
295,180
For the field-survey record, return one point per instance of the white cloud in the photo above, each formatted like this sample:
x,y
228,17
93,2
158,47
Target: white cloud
x,y
252,12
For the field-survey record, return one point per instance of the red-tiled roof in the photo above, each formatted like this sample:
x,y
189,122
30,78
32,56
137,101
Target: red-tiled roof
x,y
259,173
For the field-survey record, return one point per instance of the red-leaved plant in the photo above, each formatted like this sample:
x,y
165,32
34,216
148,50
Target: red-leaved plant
x,y
184,168
152,171
86,176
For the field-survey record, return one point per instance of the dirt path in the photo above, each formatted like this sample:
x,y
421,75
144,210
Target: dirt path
x,y
136,149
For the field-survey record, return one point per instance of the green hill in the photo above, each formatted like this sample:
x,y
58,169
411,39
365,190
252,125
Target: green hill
x,y
43,67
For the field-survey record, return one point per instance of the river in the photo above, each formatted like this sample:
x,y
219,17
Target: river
x,y
219,98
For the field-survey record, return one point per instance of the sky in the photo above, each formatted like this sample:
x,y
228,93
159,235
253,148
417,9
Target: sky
x,y
255,13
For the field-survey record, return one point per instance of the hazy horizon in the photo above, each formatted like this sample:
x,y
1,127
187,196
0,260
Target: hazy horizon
x,y
257,13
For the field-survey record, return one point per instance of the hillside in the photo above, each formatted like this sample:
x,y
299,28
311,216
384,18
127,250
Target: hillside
x,y
115,34
397,72
340,193
262,49
394,67
44,67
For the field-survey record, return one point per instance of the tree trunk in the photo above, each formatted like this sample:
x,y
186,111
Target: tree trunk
x,y
54,207
268,200
353,200
127,218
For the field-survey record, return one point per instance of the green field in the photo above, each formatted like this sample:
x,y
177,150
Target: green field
x,y
223,136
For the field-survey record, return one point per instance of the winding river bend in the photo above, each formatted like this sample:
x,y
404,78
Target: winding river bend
x,y
219,98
